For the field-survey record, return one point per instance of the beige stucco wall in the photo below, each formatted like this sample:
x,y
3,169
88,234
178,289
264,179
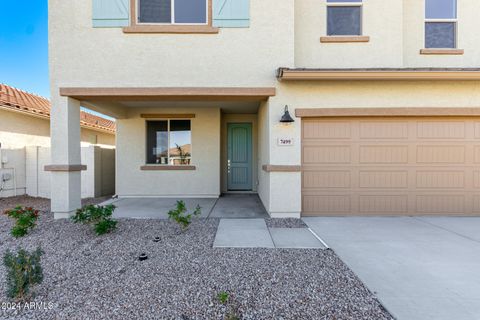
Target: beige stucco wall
x,y
382,21
468,23
263,153
239,118
18,130
106,57
131,155
89,137
396,31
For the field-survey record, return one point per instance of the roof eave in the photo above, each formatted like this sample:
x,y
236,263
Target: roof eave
x,y
286,74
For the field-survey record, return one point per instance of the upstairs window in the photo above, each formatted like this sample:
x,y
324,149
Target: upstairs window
x,y
440,24
344,17
172,11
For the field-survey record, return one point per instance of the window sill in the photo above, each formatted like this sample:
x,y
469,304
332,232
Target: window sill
x,y
170,29
442,51
154,167
343,39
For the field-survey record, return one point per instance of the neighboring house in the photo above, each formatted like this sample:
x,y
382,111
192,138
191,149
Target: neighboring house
x,y
25,144
384,95
25,121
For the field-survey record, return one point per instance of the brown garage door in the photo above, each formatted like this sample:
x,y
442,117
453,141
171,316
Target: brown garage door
x,y
390,166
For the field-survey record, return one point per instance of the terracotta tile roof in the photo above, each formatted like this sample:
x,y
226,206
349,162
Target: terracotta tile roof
x,y
19,100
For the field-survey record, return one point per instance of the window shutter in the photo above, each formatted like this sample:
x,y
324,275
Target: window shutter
x,y
231,13
111,13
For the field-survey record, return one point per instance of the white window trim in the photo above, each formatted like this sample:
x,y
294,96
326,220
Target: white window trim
x,y
172,16
454,21
346,4
168,142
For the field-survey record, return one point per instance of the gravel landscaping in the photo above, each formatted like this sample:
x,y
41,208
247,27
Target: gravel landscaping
x,y
285,223
89,277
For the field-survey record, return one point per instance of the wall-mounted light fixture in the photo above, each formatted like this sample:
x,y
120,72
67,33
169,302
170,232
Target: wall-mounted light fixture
x,y
286,118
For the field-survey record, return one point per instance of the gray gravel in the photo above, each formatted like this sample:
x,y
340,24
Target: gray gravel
x,y
285,223
88,277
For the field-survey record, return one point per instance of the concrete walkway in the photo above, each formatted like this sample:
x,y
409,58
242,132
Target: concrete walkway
x,y
254,233
227,206
421,268
156,208
239,206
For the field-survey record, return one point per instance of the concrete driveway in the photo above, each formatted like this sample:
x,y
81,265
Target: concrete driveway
x,y
419,267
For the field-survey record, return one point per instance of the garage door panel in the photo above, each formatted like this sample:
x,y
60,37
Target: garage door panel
x,y
326,179
383,130
391,166
441,179
327,154
383,204
383,179
326,204
476,129
326,130
476,154
476,203
434,154
441,130
383,154
440,203
476,179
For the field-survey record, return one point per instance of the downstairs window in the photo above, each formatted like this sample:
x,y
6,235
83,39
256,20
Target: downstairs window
x,y
169,142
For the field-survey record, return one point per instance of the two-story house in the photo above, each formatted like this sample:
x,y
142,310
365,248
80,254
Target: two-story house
x,y
384,98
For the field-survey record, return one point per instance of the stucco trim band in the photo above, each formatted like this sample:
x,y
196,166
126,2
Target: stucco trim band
x,y
65,167
170,93
167,168
281,168
377,74
387,112
166,116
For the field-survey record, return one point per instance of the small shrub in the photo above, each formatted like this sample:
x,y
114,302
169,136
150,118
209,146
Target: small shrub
x,y
223,297
180,215
233,310
232,315
23,271
98,216
26,219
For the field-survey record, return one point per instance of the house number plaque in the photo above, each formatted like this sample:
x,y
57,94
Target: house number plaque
x,y
285,141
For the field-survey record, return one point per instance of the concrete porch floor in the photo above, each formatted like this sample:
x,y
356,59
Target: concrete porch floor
x,y
227,206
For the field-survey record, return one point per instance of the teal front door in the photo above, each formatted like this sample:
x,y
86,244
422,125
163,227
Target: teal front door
x,y
239,156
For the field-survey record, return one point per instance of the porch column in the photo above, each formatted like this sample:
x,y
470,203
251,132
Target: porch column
x,y
66,163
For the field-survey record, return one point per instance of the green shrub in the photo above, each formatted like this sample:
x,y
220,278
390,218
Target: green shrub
x,y
98,216
180,215
23,271
222,297
26,219
233,310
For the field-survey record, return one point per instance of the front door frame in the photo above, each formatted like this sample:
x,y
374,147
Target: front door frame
x,y
230,186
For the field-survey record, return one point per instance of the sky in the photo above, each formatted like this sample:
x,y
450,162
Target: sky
x,y
24,45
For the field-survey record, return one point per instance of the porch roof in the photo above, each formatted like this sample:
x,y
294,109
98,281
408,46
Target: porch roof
x,y
170,94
